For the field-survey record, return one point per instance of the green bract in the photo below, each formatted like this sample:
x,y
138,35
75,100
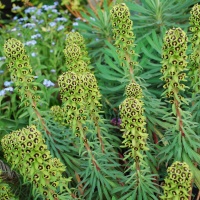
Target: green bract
x,y
178,182
195,56
133,125
75,53
133,89
78,87
20,70
5,190
174,62
26,151
123,33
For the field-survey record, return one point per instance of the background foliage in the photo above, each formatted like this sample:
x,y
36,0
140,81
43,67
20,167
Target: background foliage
x,y
43,29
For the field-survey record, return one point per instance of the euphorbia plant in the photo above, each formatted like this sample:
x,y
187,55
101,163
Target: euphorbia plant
x,y
71,151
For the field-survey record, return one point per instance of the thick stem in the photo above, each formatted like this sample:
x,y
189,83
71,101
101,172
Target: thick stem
x,y
92,7
96,122
75,13
198,197
137,163
155,138
39,117
80,185
131,70
100,138
178,113
84,139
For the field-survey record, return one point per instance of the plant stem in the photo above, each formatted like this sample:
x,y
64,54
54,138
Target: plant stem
x,y
80,185
92,7
39,117
100,138
178,113
198,197
84,139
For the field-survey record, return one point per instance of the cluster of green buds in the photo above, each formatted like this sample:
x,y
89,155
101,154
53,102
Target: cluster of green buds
x,y
133,121
133,89
80,97
58,114
195,56
25,150
5,190
178,182
174,63
78,86
20,69
123,33
75,53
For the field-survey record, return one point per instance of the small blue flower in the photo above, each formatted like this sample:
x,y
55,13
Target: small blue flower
x,y
7,83
29,25
75,23
56,3
10,89
34,19
36,36
53,43
61,19
39,12
61,27
46,7
13,30
51,50
1,71
53,70
15,18
54,11
33,54
30,10
48,83
2,58
52,24
16,8
41,21
31,43
2,92
23,19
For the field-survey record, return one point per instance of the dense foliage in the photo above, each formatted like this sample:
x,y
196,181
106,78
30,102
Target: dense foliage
x,y
103,106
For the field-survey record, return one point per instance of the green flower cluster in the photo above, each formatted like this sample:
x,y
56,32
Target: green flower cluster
x,y
20,69
123,33
133,121
134,90
80,97
27,153
58,114
5,190
75,52
178,182
78,87
195,56
174,63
